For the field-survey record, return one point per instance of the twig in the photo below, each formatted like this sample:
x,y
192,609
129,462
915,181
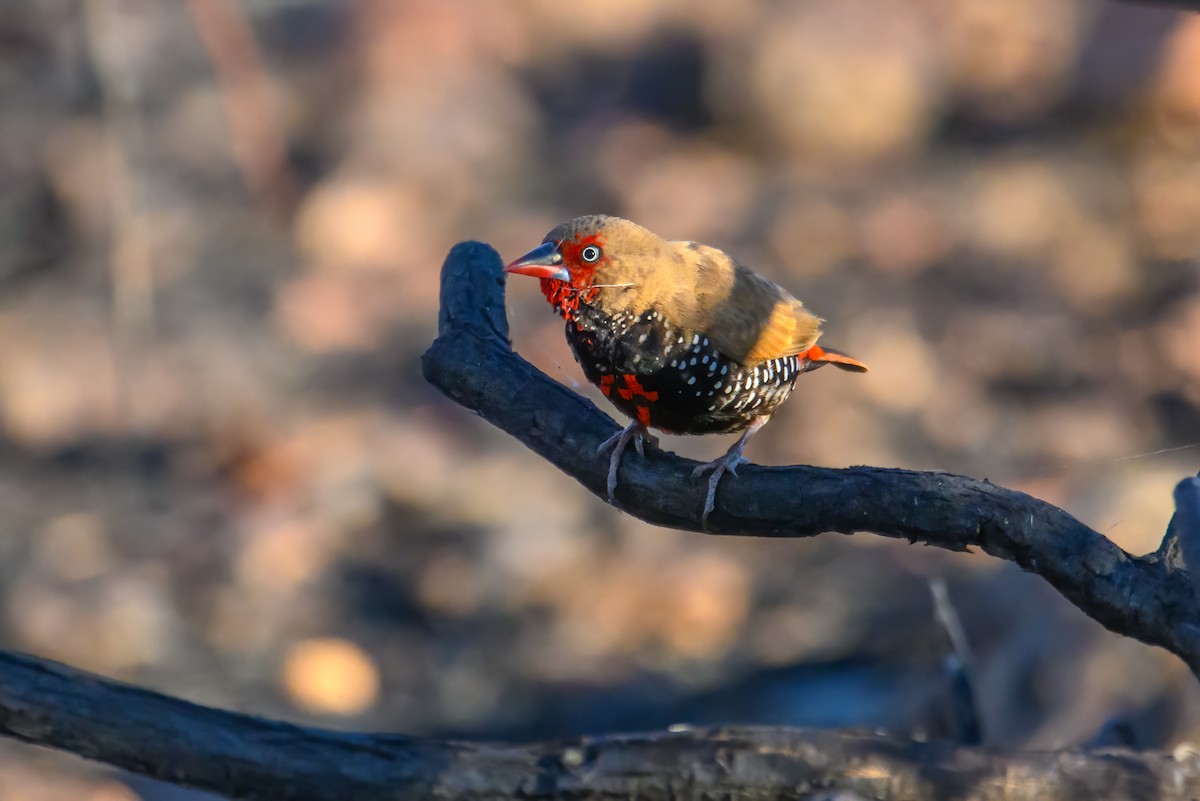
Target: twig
x,y
1184,5
254,131
1148,598
130,262
960,666
251,758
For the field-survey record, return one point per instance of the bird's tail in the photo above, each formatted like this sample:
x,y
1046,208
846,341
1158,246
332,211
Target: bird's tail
x,y
818,356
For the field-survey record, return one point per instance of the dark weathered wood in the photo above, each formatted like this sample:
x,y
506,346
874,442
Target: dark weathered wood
x,y
1183,5
1183,534
251,758
1150,598
246,757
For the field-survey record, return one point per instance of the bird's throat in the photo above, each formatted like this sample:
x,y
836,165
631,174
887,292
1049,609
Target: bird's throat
x,y
566,297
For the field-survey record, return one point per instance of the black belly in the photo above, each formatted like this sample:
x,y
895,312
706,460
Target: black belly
x,y
675,380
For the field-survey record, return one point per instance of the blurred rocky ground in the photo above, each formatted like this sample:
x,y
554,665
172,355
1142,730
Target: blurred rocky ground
x,y
222,476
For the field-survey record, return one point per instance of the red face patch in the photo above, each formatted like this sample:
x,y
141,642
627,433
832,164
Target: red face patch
x,y
565,297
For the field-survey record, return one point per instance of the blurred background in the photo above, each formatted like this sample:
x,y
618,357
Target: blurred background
x,y
223,477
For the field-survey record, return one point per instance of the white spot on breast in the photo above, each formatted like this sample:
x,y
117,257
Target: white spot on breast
x,y
691,380
693,361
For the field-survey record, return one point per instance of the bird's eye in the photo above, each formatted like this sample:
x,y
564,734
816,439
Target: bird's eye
x,y
590,254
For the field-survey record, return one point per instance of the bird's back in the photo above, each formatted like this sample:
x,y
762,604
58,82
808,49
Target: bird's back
x,y
749,318
693,342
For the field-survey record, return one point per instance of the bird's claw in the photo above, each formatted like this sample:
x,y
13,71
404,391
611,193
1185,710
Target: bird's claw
x,y
722,465
611,442
726,464
618,443
719,467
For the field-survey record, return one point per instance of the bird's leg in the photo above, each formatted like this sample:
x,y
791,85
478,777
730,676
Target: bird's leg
x,y
726,464
618,442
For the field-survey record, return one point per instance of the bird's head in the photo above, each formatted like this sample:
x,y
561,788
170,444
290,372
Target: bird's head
x,y
581,259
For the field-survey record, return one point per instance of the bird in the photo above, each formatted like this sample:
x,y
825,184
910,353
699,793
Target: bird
x,y
678,335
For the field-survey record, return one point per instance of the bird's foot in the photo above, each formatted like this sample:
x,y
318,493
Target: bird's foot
x,y
618,443
726,464
719,467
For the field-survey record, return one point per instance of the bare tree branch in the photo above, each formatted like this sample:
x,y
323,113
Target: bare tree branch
x,y
1181,546
1150,598
255,131
250,758
1185,5
246,757
960,667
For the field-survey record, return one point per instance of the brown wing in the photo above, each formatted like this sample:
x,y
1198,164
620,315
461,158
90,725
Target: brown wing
x,y
789,330
748,317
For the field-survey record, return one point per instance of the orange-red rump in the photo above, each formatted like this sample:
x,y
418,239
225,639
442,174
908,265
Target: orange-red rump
x,y
838,359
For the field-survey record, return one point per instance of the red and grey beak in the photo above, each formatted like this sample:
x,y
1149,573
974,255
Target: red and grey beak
x,y
544,261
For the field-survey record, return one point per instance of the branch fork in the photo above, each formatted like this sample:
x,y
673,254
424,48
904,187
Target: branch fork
x,y
1152,598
